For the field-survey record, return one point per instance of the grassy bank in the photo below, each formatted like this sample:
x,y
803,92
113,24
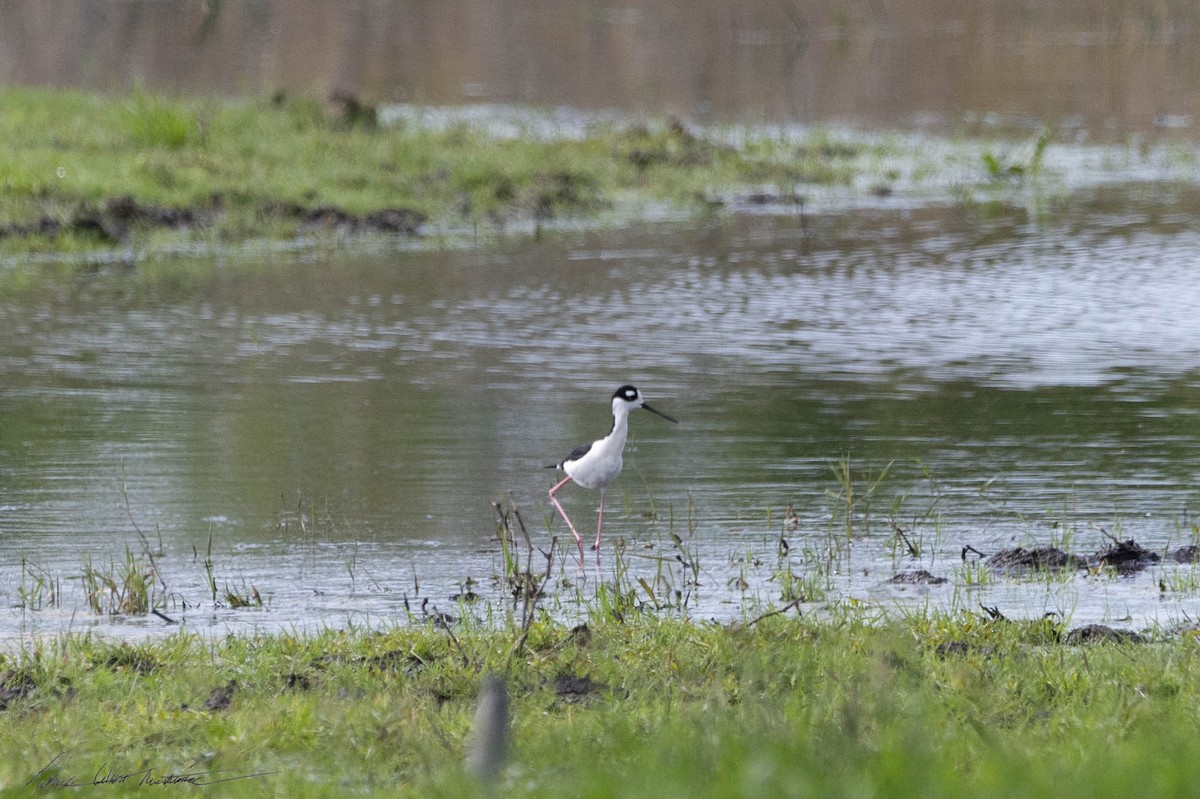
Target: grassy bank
x,y
786,706
86,171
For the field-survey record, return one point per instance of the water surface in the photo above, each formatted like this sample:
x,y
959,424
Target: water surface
x,y
331,430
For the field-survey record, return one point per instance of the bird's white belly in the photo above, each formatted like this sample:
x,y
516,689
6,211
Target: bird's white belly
x,y
595,472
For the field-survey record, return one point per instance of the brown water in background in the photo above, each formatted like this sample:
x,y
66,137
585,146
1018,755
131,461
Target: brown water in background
x,y
1107,69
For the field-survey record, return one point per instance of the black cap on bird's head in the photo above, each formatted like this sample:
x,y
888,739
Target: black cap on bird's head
x,y
631,396
627,393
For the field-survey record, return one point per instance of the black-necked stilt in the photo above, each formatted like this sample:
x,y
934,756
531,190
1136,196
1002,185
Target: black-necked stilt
x,y
597,464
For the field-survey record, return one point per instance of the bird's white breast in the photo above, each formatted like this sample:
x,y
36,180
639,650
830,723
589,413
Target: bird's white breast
x,y
601,465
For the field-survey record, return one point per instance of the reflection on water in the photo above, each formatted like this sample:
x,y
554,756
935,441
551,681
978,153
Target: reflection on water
x,y
333,430
1096,69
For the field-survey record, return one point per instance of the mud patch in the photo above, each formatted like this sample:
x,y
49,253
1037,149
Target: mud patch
x,y
1100,634
574,687
115,219
404,221
15,685
581,634
221,697
1126,556
1187,554
112,221
918,577
1037,559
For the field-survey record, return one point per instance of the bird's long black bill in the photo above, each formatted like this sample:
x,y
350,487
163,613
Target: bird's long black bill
x,y
660,413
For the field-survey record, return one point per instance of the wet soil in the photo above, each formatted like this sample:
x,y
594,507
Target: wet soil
x,y
1186,554
14,685
385,220
221,697
1125,557
1101,634
113,220
574,687
1039,558
918,577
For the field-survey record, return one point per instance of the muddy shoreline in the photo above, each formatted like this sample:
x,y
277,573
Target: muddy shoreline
x,y
116,219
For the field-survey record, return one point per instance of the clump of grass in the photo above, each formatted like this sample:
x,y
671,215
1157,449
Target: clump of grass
x,y
39,589
247,597
671,144
852,502
155,121
125,589
1029,165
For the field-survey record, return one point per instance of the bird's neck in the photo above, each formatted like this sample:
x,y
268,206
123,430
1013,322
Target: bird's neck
x,y
620,428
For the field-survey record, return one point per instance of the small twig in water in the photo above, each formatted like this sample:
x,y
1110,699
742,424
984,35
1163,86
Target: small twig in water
x,y
969,548
1106,534
993,612
795,603
912,550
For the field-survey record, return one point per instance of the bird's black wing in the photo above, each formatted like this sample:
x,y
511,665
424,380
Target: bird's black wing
x,y
575,455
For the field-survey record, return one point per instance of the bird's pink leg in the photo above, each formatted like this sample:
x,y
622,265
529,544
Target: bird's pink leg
x,y
563,513
599,523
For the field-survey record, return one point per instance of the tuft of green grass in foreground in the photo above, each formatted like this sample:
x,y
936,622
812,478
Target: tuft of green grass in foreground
x,y
82,171
922,706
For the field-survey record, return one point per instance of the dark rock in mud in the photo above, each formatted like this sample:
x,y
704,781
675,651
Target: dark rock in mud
x,y
581,634
13,686
1039,558
1100,634
918,577
1126,556
221,697
570,686
1187,554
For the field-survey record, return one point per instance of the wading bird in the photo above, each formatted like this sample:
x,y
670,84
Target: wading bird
x,y
597,464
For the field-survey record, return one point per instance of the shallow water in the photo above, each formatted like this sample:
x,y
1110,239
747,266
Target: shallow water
x,y
331,429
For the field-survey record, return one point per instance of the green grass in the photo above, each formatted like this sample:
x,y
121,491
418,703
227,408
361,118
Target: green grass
x,y
927,705
244,167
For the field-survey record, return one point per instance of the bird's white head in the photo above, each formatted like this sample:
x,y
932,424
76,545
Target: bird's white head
x,y
628,398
